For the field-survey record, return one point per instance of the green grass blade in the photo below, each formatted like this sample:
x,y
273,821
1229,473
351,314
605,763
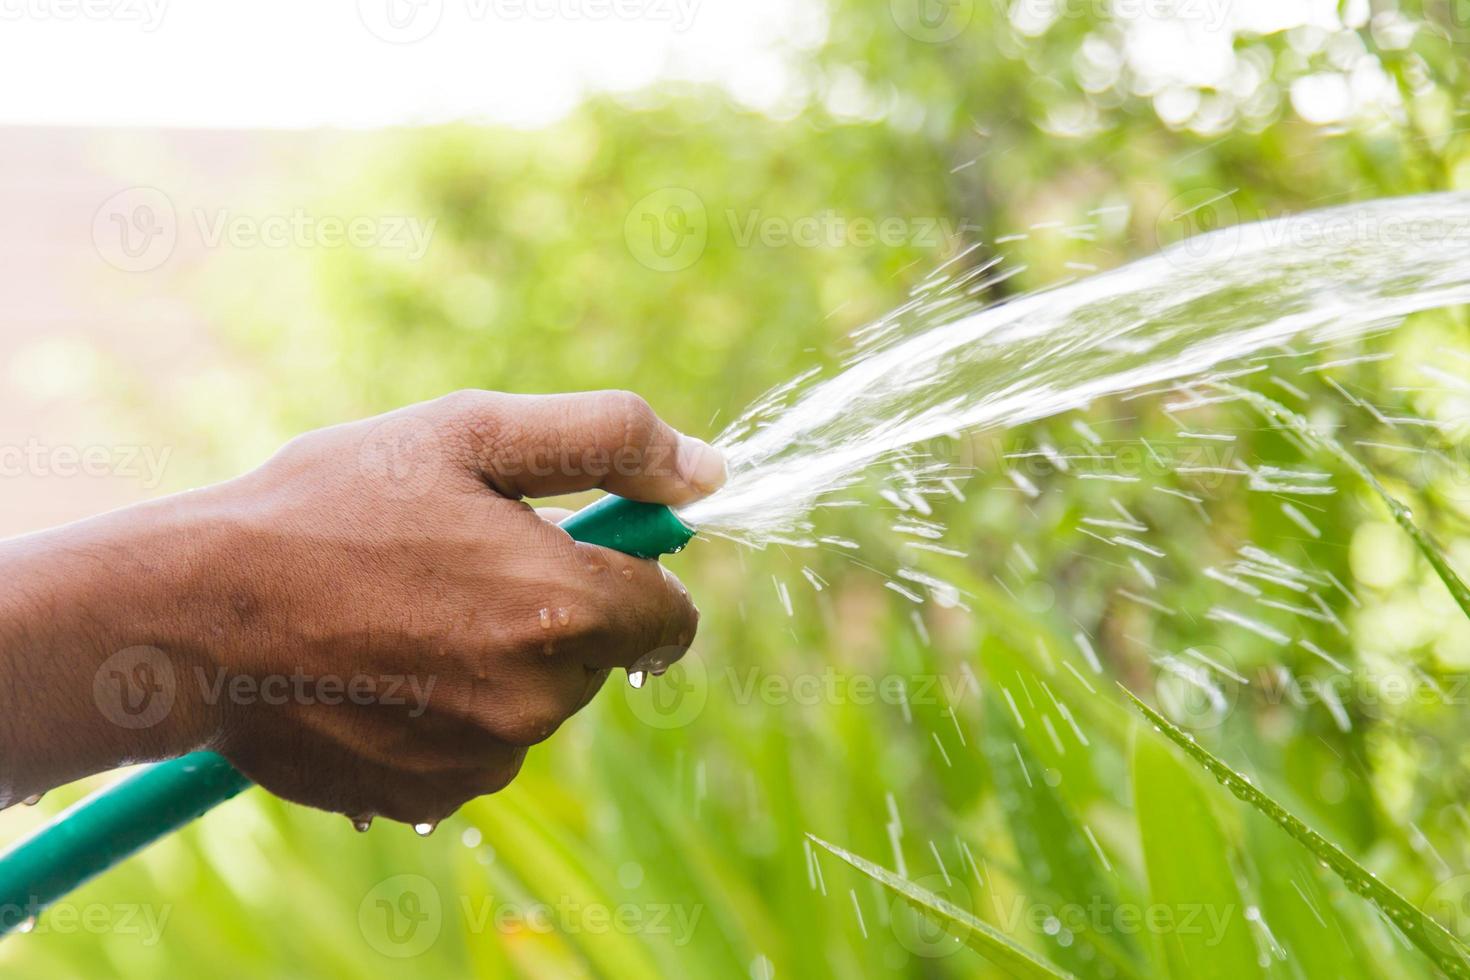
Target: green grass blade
x,y
984,939
1433,940
1189,871
1285,417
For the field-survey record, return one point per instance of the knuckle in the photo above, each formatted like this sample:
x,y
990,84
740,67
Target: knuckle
x,y
300,449
634,414
464,400
495,778
529,724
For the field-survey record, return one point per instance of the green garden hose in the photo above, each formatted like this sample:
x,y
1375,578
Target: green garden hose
x,y
116,822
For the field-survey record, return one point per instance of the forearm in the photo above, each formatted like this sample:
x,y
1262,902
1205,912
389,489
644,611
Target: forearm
x,y
100,626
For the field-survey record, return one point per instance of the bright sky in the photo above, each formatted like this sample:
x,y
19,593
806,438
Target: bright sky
x,y
296,63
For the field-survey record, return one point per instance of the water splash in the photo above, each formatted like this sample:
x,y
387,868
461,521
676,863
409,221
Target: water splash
x,y
938,365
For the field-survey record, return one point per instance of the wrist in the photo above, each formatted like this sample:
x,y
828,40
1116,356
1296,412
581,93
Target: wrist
x,y
103,641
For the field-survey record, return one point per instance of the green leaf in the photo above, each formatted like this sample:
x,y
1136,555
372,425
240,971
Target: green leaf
x,y
1433,940
1190,876
984,939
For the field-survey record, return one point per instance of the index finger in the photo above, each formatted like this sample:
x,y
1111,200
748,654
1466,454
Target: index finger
x,y
542,445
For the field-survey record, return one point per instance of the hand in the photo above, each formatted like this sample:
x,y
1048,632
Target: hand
x,y
373,622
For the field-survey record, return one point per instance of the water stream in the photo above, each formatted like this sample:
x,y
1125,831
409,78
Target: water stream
x,y
944,364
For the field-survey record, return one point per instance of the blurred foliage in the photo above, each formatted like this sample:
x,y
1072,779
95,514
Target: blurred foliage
x,y
644,243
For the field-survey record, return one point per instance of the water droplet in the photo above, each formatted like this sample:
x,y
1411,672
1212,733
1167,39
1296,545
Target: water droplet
x,y
28,925
627,573
362,824
636,678
563,617
545,618
424,829
32,800
471,837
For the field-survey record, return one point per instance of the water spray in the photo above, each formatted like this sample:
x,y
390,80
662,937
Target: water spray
x,y
115,823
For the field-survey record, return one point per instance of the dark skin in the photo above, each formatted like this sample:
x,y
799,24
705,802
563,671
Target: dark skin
x,y
373,622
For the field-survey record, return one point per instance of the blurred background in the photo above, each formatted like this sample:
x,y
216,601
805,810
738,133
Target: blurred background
x,y
222,224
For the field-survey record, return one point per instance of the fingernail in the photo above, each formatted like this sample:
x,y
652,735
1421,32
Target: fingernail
x,y
700,465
